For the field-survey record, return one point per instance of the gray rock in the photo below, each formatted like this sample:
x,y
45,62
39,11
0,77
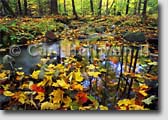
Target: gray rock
x,y
100,29
4,99
135,37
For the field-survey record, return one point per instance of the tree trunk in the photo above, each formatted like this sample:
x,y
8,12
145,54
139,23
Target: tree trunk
x,y
99,8
144,9
54,7
65,11
135,7
127,7
91,7
25,7
107,4
74,10
111,6
82,11
7,8
139,7
19,7
40,8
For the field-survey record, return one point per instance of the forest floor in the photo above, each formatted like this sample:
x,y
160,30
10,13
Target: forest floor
x,y
107,63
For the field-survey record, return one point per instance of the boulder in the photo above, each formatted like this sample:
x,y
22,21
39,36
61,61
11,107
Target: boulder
x,y
100,29
135,37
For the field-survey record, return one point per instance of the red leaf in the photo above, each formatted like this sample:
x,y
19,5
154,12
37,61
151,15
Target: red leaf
x,y
36,88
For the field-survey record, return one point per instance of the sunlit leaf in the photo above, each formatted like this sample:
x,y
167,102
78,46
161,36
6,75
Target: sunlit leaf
x,y
143,92
35,74
40,97
126,102
49,106
22,98
57,95
136,107
77,87
3,75
20,73
149,100
103,107
6,87
94,74
8,93
91,67
78,76
63,84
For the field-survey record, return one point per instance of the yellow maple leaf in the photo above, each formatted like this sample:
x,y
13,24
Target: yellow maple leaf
x,y
103,107
103,70
91,67
59,66
51,66
136,107
35,74
55,84
22,98
77,87
20,73
143,86
78,77
85,108
24,86
94,74
40,96
143,92
70,76
42,83
6,87
49,79
126,102
8,93
57,95
63,84
3,75
49,106
123,108
67,101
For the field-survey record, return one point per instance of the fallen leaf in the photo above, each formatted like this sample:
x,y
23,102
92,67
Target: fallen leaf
x,y
57,95
8,93
63,84
78,76
35,74
40,97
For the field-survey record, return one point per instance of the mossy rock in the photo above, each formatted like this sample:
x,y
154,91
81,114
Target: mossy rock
x,y
135,37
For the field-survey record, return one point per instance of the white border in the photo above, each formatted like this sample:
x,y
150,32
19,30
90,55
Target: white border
x,y
162,115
